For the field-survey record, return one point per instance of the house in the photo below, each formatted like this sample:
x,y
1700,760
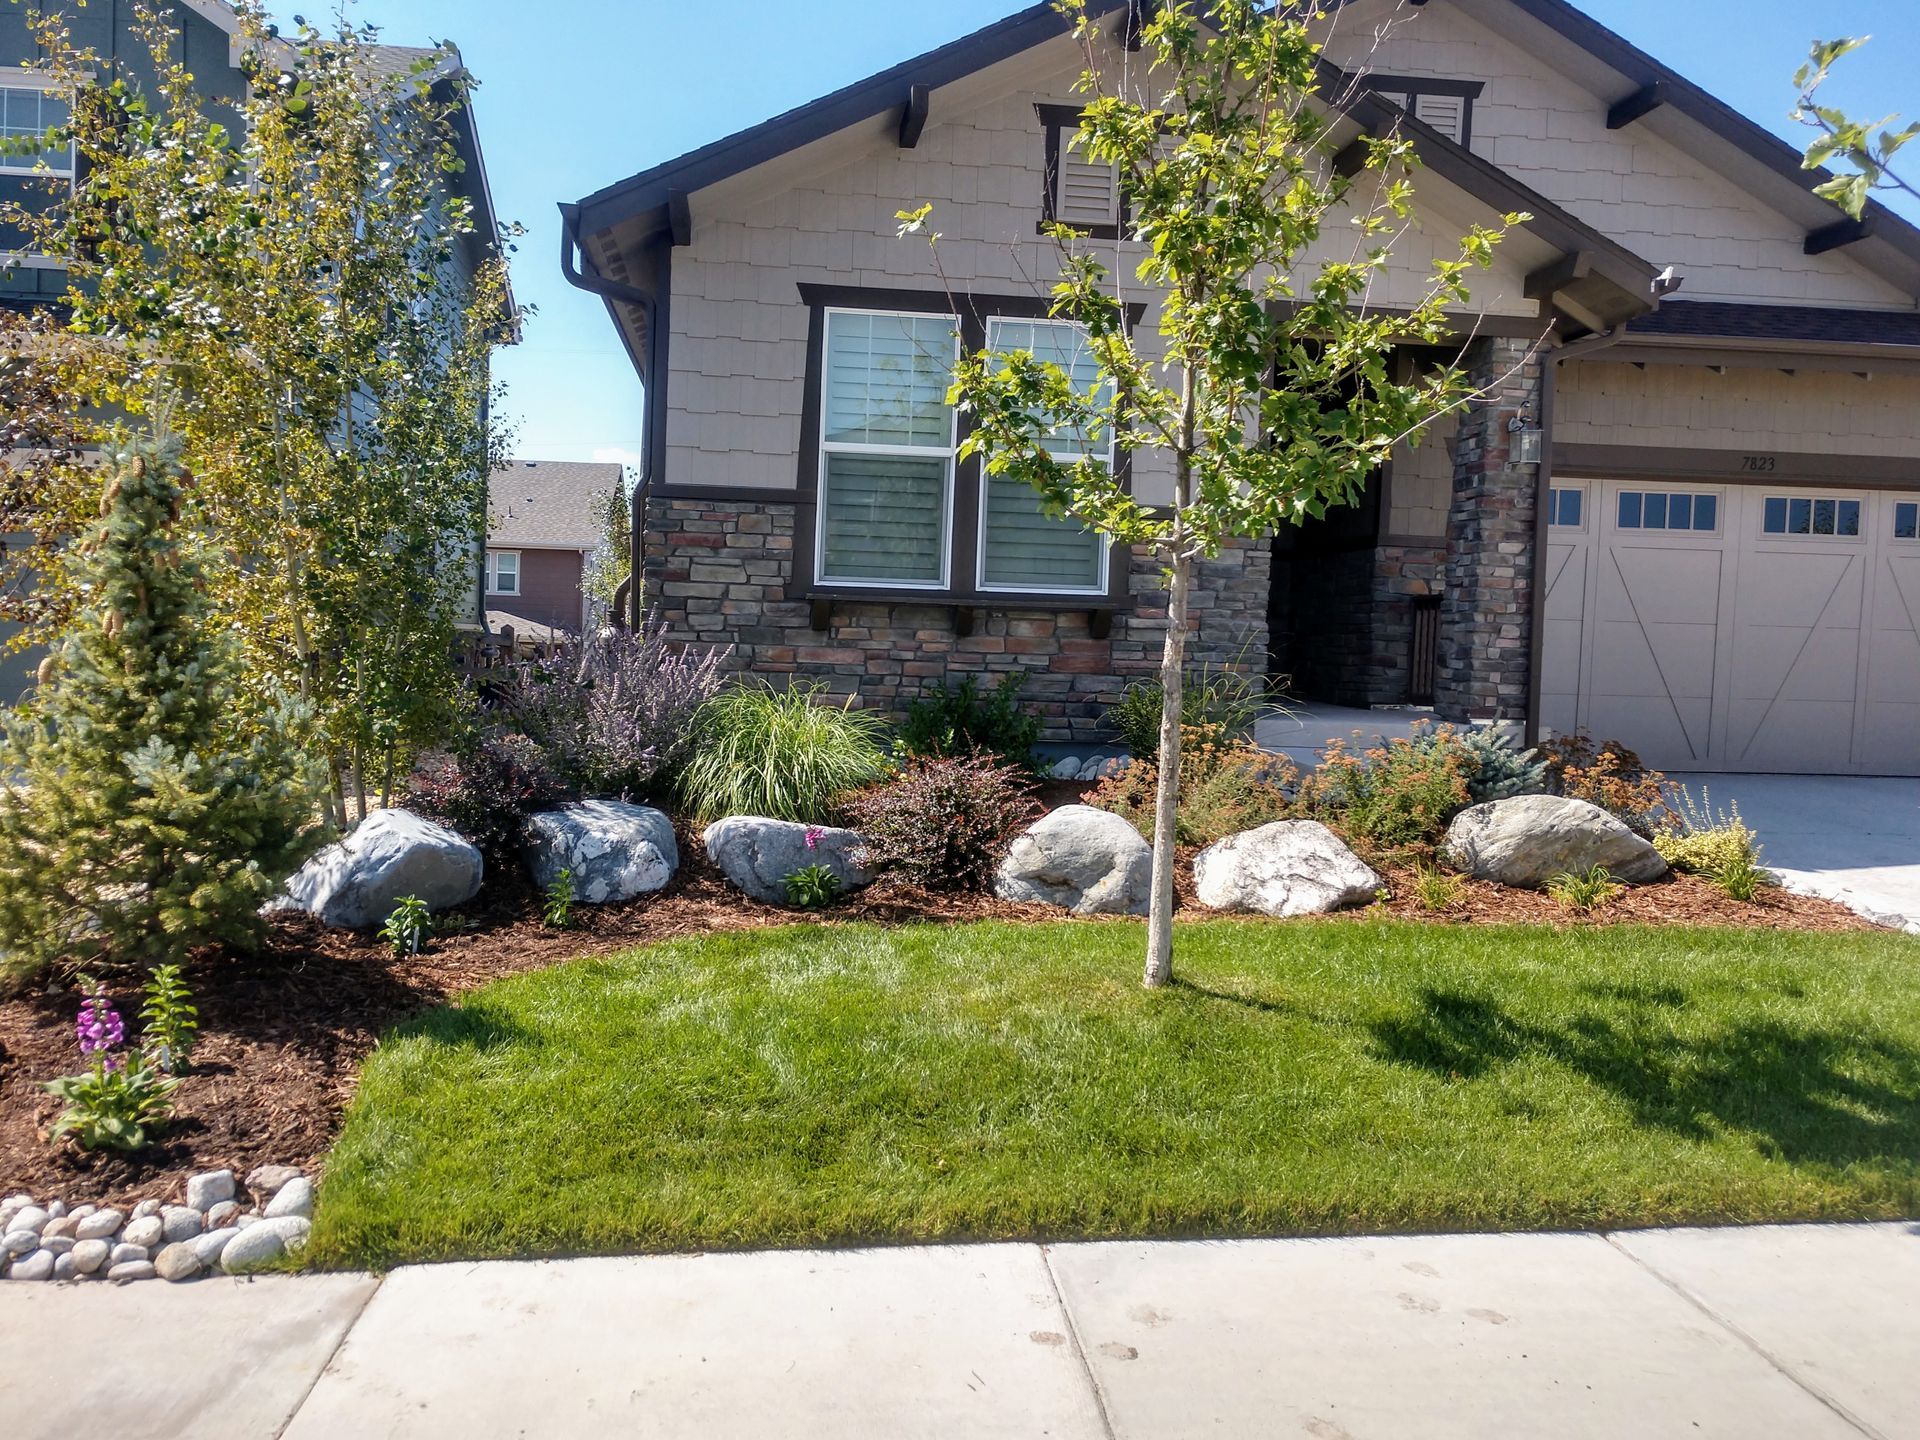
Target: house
x,y
1683,516
544,518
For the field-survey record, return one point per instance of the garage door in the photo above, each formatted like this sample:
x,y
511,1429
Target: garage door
x,y
1737,628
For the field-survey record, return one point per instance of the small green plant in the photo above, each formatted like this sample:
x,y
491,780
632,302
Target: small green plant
x,y
1500,772
1218,705
812,886
781,754
408,927
117,1100
169,1021
1585,893
557,906
1438,890
960,721
1700,840
1742,878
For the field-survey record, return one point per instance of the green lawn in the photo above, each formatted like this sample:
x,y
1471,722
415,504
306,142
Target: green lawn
x,y
781,1087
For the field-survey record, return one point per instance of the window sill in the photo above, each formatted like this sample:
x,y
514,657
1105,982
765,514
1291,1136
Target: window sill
x,y
1098,608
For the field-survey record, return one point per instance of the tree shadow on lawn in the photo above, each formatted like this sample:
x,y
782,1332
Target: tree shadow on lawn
x,y
1806,1093
465,1027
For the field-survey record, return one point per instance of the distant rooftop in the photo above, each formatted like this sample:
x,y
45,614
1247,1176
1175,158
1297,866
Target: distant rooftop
x,y
550,504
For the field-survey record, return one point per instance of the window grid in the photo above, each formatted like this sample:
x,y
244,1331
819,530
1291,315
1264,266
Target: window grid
x,y
1809,516
1566,508
503,572
1693,511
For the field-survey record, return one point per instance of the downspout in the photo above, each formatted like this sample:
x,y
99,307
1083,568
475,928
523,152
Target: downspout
x,y
626,599
1543,491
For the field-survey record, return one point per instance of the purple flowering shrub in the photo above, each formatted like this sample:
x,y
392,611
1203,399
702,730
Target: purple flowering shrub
x,y
118,1099
614,712
487,791
943,823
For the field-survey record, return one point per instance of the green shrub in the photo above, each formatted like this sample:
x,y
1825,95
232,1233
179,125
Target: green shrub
x,y
1609,775
1742,878
1700,840
1499,771
1587,892
812,887
1216,704
942,824
1438,890
779,754
1224,788
408,927
962,721
1398,797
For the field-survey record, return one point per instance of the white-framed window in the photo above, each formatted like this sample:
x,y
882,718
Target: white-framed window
x,y
1806,515
30,106
1906,520
503,572
1567,507
887,444
1692,510
1021,546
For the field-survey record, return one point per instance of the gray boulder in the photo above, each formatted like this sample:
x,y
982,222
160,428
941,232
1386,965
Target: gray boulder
x,y
1526,841
263,1243
1291,867
209,1188
616,851
758,855
1088,861
293,1198
354,884
36,1266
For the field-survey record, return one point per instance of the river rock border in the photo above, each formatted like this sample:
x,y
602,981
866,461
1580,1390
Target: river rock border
x,y
213,1231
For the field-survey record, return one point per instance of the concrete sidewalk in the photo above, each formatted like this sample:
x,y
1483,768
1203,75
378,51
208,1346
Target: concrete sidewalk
x,y
1802,1331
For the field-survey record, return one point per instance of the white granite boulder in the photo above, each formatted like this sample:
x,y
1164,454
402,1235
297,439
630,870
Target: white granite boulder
x,y
1526,841
1089,861
614,850
758,855
355,883
1291,867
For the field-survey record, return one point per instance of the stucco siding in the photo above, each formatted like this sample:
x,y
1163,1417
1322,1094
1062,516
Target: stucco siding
x,y
1692,407
1550,132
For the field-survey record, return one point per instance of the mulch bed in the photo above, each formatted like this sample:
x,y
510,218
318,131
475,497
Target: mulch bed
x,y
284,1032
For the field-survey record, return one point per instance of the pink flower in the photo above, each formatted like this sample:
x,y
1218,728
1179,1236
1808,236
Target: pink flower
x,y
99,1027
814,835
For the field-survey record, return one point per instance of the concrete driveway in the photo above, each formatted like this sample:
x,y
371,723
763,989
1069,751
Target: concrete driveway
x,y
1844,837
1804,1331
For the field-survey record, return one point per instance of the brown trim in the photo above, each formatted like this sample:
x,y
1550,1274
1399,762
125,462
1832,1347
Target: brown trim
x,y
727,494
1769,355
1643,102
1411,542
1503,327
1414,86
1056,120
1542,520
974,310
913,119
1740,467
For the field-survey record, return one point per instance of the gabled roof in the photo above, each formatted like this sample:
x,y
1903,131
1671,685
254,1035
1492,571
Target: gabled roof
x,y
1790,324
550,504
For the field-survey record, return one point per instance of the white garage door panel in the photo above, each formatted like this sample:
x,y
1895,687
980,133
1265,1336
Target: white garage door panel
x,y
1736,648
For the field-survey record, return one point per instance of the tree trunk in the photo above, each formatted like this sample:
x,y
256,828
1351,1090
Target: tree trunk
x,y
1166,802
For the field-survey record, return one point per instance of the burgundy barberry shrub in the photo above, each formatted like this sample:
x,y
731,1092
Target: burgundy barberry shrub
x,y
487,791
942,823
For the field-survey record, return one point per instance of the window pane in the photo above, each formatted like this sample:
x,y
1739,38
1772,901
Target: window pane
x,y
1571,504
1706,512
1800,517
1654,517
886,380
1823,517
1776,515
1849,518
1680,512
1629,509
1027,548
1062,344
1906,522
885,518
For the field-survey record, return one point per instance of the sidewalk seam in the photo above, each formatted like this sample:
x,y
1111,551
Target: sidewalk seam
x,y
1744,1338
379,1284
1079,1348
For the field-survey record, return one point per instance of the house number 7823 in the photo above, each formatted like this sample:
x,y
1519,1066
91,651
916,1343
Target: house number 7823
x,y
1759,464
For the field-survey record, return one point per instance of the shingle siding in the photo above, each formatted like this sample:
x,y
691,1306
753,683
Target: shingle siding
x,y
1692,407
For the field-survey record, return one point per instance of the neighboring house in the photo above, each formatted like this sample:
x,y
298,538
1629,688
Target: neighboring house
x,y
1686,518
211,45
544,518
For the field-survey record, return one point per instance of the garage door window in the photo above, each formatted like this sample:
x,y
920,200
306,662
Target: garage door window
x,y
1787,515
1566,508
1906,520
1669,510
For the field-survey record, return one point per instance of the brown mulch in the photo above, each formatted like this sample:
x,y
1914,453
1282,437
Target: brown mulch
x,y
284,1032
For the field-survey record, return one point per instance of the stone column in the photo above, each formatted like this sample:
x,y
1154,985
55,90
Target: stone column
x,y
1486,617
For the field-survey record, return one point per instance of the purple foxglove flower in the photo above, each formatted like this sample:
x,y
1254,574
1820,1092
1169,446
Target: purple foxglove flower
x,y
99,1026
814,832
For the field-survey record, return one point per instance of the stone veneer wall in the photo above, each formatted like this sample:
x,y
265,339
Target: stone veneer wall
x,y
718,571
1486,617
1351,621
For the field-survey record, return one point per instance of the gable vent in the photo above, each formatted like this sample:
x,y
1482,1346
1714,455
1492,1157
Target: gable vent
x,y
1088,192
1445,113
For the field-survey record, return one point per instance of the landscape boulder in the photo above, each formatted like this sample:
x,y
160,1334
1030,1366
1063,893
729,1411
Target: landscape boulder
x,y
758,855
356,883
615,851
1291,867
1526,841
1089,861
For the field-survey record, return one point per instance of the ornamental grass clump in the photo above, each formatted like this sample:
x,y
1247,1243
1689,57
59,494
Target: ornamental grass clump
x,y
781,754
942,824
117,1100
1218,706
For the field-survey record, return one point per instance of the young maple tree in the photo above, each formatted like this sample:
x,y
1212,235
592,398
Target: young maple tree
x,y
294,269
1268,383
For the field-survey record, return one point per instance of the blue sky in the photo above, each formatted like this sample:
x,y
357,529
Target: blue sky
x,y
577,94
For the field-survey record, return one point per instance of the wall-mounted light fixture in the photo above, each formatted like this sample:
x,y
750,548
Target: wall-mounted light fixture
x,y
1526,442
